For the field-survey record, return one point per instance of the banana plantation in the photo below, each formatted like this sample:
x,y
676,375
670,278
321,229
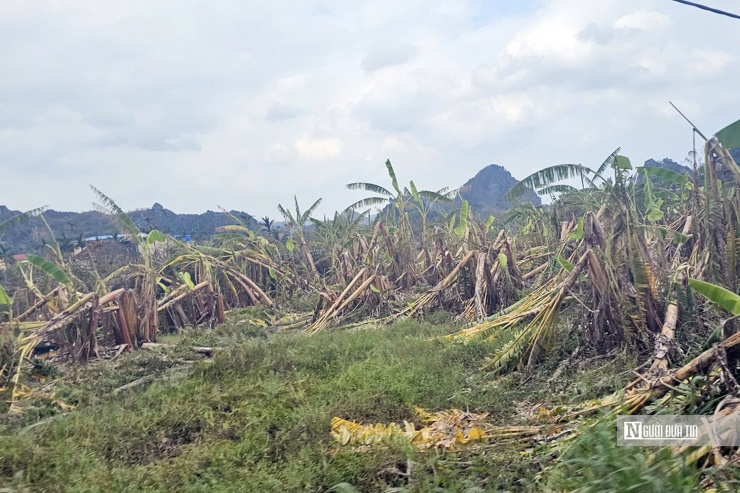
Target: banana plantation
x,y
642,261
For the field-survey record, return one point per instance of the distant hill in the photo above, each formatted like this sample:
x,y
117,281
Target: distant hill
x,y
69,227
724,174
485,191
668,164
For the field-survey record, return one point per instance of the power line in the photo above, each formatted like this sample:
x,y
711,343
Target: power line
x,y
709,9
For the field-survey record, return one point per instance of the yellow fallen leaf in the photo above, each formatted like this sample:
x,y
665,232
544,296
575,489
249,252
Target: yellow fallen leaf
x,y
475,434
346,436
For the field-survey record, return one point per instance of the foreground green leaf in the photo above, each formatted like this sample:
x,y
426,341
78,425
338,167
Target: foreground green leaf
x,y
729,136
463,225
565,264
4,298
547,177
717,295
51,269
623,162
155,236
578,233
665,174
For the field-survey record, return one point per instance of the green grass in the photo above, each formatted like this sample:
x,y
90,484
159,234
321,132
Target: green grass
x,y
257,417
594,465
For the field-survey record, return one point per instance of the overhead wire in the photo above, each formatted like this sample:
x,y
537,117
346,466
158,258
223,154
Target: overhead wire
x,y
709,9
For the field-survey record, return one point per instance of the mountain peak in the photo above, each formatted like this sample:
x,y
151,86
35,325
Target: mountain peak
x,y
668,164
485,191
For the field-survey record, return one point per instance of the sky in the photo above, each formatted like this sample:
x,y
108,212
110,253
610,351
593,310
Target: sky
x,y
242,105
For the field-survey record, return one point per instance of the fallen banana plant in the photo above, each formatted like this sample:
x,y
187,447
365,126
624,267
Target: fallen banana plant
x,y
428,298
445,430
351,293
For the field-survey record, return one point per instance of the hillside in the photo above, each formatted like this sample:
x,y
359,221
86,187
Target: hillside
x,y
485,191
73,226
723,173
668,164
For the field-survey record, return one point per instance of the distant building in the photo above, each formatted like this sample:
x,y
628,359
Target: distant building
x,y
118,237
100,238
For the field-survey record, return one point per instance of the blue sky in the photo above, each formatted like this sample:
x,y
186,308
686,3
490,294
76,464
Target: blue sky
x,y
198,104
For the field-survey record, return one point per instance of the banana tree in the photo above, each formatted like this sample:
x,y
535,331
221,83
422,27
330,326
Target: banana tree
x,y
530,220
545,181
397,203
382,195
339,239
718,234
624,286
295,225
662,190
6,306
146,273
425,201
6,301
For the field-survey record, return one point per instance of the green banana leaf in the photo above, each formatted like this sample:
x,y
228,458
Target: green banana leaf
x,y
729,136
50,268
717,295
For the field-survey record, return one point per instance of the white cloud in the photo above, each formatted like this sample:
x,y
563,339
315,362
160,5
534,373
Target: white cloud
x,y
387,56
314,149
710,63
280,112
643,20
196,105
